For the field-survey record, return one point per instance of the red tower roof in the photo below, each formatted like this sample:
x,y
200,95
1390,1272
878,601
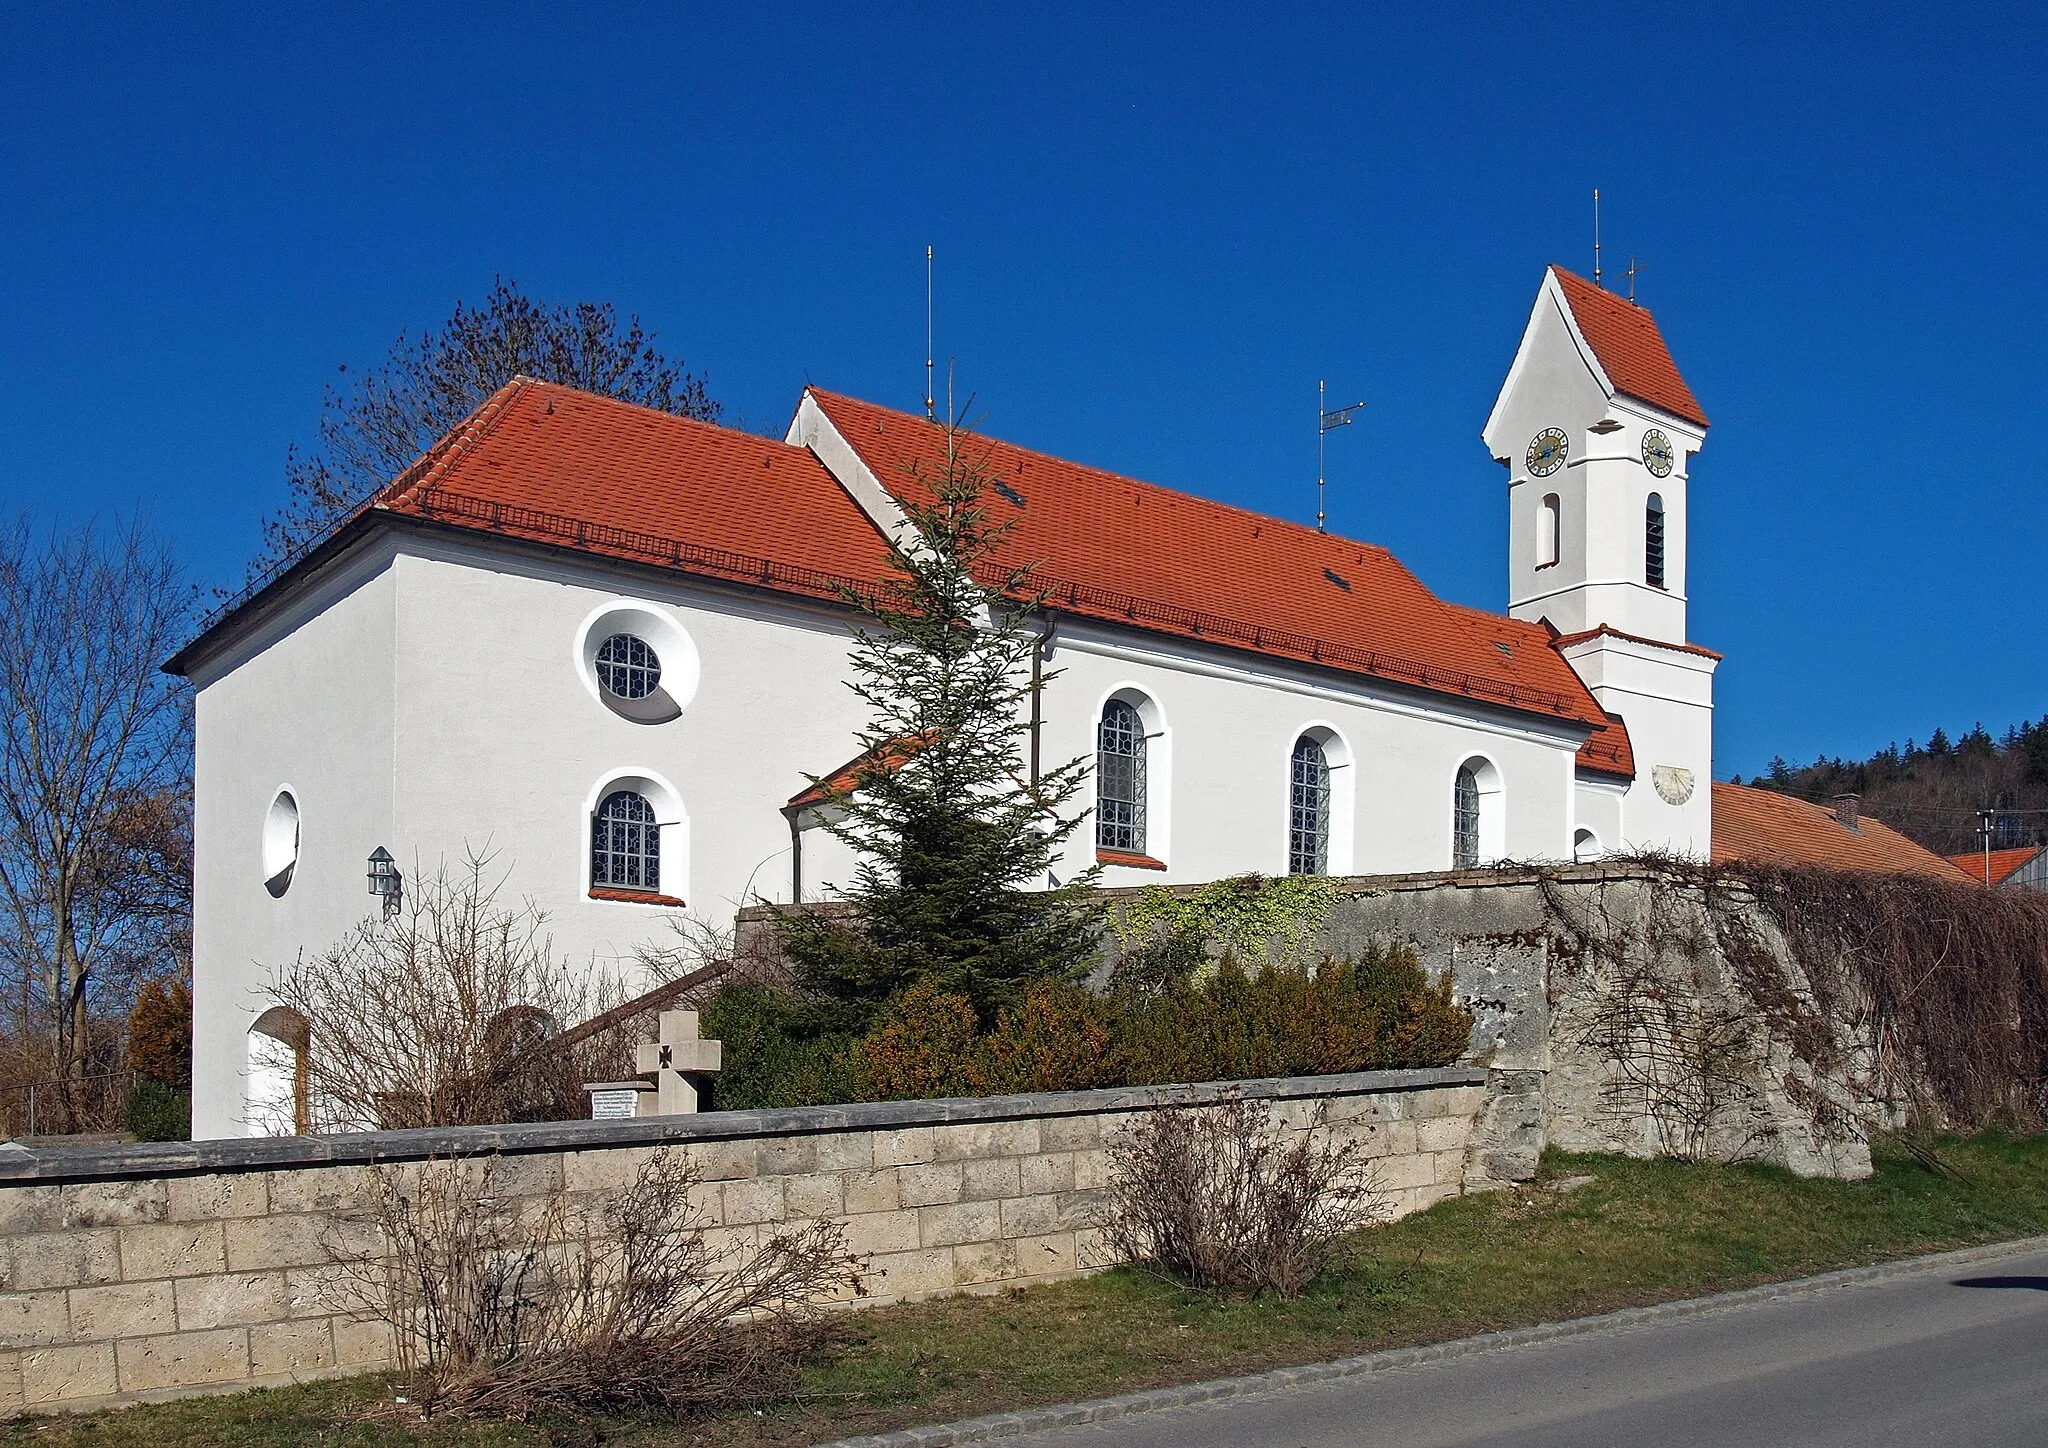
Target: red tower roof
x,y
1631,350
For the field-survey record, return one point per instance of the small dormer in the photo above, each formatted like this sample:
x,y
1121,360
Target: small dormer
x,y
1597,429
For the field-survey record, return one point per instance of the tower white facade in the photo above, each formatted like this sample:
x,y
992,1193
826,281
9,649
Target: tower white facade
x,y
1598,430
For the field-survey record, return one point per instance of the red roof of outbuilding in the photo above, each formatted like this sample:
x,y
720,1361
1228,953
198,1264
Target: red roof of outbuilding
x,y
1631,350
550,464
1132,553
1766,827
2003,863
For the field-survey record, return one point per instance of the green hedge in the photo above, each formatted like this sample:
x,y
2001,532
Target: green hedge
x,y
1378,1012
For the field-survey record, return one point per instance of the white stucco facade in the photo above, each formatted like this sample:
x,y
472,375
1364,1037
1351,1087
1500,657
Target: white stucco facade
x,y
432,698
1221,728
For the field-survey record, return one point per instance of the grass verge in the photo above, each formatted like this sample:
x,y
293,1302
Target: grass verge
x,y
1633,1232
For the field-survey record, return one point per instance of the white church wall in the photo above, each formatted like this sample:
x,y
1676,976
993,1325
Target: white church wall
x,y
1596,808
434,701
516,750
1550,386
1665,696
306,702
1230,723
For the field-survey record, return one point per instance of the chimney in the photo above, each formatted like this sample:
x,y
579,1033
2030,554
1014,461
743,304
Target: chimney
x,y
1845,810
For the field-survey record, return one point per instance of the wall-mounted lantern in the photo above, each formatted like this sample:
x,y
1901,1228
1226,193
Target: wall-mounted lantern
x,y
385,882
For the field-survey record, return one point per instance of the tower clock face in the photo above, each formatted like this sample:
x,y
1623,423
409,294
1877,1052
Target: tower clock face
x,y
1657,453
1547,452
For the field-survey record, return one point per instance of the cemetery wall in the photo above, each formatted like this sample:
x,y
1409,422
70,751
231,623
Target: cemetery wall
x,y
146,1271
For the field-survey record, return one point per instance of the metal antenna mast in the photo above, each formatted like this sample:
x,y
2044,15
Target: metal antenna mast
x,y
1328,420
929,401
1596,236
1634,267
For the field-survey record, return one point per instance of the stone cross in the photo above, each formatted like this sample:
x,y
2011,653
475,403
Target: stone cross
x,y
678,1055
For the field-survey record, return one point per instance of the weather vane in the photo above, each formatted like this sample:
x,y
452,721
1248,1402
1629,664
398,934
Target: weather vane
x,y
1330,419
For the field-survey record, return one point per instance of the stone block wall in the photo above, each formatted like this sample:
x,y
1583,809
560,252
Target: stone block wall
x,y
148,1271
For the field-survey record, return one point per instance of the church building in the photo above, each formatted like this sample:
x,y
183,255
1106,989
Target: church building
x,y
609,647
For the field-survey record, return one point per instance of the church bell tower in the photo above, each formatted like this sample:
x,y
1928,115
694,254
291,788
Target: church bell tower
x,y
1597,430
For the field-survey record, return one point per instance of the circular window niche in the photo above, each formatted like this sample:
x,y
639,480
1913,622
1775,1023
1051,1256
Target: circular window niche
x,y
635,659
280,842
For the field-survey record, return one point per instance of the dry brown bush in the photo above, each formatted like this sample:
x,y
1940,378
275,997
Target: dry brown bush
x,y
503,1306
1219,1198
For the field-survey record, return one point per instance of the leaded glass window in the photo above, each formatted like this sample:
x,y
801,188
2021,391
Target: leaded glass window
x,y
1120,779
1465,819
627,667
625,844
1308,810
1653,542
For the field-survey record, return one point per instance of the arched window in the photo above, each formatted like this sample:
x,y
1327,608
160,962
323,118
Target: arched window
x,y
1585,846
1478,828
1547,531
1308,809
1653,542
1120,779
1465,819
625,844
280,1091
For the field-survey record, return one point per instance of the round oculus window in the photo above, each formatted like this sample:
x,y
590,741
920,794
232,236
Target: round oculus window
x,y
627,667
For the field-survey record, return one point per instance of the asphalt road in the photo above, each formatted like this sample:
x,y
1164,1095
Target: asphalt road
x,y
1953,1355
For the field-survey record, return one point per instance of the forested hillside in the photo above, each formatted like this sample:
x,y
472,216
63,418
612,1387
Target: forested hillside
x,y
1932,792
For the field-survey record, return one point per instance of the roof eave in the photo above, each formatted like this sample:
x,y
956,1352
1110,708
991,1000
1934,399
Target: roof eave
x,y
290,582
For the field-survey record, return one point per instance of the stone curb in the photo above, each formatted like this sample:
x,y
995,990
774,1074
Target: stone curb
x,y
1105,1410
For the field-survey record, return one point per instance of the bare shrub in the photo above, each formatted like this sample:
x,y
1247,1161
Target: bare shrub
x,y
505,1306
436,1014
1219,1198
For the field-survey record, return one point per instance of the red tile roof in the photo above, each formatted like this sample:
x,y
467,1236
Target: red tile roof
x,y
1631,350
1608,749
887,757
1565,641
1766,827
2004,863
554,465
1112,548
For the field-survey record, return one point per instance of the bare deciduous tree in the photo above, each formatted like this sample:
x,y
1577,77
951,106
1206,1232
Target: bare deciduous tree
x,y
95,750
393,413
418,1018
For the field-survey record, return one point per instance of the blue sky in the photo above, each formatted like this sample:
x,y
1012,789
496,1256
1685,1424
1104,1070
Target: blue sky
x,y
1156,229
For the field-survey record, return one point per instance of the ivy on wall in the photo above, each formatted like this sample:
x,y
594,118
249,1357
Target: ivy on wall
x,y
1252,919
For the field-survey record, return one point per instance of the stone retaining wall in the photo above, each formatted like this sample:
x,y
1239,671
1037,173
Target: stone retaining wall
x,y
149,1271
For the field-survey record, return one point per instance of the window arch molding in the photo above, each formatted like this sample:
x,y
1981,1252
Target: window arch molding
x,y
277,1098
671,821
1158,767
1549,531
1478,813
680,667
1343,811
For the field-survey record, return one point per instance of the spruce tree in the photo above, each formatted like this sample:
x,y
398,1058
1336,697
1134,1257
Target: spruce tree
x,y
955,842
